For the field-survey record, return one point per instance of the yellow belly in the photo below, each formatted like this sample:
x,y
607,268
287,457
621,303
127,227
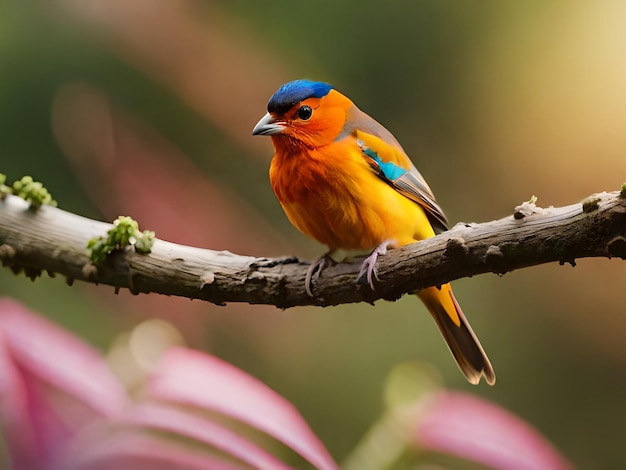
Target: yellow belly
x,y
341,203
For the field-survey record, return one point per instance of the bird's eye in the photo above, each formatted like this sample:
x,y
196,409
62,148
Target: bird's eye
x,y
304,112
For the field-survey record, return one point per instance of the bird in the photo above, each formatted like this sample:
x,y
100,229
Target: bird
x,y
344,180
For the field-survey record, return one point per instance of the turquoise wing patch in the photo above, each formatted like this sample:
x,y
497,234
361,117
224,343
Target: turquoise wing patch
x,y
408,183
388,170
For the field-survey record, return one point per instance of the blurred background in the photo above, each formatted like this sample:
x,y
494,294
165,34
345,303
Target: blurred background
x,y
145,108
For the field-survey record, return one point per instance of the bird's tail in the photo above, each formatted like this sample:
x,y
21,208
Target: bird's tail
x,y
456,330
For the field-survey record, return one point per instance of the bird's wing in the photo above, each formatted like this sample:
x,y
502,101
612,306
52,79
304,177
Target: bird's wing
x,y
389,161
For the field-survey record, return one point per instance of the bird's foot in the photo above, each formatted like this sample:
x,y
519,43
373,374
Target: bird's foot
x,y
314,271
367,273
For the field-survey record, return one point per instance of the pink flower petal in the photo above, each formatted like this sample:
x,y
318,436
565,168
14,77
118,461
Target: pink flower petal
x,y
131,450
60,359
190,377
51,385
476,430
154,415
19,433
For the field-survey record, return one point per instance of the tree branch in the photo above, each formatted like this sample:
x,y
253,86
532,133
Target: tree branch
x,y
54,240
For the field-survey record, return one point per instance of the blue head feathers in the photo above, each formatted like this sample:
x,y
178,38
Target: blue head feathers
x,y
293,92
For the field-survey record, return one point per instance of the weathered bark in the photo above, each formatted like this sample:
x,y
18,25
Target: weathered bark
x,y
54,240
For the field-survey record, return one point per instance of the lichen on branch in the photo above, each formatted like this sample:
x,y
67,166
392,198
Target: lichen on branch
x,y
124,234
31,191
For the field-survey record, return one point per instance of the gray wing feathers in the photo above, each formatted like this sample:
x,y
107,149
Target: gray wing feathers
x,y
411,184
357,119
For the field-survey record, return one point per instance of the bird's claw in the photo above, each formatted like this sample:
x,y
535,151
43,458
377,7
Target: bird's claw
x,y
368,273
314,271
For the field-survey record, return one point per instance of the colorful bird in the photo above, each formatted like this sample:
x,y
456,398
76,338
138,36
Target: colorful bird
x,y
344,180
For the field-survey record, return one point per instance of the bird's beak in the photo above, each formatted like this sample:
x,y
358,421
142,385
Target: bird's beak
x,y
268,125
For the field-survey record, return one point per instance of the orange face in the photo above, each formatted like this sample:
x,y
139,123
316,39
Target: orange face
x,y
313,122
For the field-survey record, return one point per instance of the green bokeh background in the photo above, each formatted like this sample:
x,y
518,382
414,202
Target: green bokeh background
x,y
494,101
